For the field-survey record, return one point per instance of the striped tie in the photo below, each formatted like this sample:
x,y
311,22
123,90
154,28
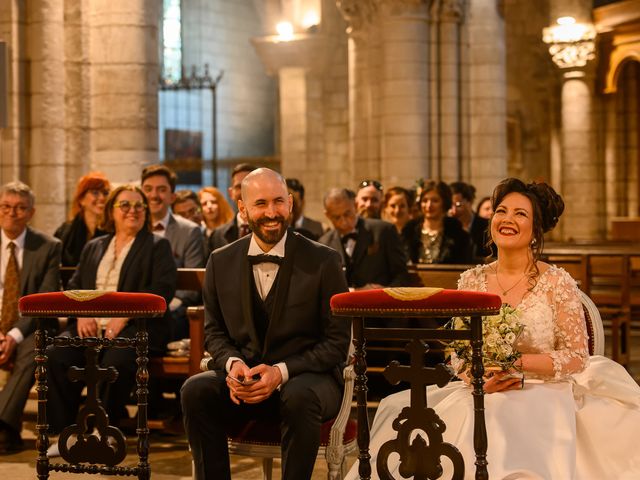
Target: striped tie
x,y
11,291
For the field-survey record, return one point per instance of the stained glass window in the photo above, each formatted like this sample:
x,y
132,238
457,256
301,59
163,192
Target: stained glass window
x,y
171,40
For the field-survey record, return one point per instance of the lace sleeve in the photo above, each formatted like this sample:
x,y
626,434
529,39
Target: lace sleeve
x,y
571,351
472,279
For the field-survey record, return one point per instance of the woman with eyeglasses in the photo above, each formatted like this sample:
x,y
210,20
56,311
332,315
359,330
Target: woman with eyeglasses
x,y
129,258
85,216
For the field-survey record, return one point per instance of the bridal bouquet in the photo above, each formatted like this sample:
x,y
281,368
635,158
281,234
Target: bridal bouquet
x,y
499,332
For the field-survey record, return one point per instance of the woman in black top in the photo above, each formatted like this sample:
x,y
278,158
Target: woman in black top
x,y
87,210
434,237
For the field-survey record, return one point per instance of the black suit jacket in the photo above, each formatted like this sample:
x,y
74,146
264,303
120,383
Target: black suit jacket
x,y
40,272
224,234
148,268
302,333
479,236
378,256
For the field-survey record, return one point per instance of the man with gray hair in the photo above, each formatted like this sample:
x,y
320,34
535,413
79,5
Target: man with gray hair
x,y
29,263
371,250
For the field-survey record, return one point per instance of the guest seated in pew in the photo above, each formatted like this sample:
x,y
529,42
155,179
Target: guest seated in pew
x,y
477,227
216,211
187,205
86,213
434,237
484,209
371,249
369,199
276,350
302,224
236,227
570,416
396,207
29,263
130,258
158,182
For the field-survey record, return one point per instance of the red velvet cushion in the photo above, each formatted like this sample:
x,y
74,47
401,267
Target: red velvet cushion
x,y
408,302
74,303
268,433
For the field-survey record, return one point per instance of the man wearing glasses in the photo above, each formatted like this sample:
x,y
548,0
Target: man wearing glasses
x,y
369,199
29,263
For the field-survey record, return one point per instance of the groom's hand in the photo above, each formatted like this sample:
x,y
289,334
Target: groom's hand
x,y
270,378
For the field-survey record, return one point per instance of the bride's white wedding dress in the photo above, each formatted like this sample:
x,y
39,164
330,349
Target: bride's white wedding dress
x,y
582,425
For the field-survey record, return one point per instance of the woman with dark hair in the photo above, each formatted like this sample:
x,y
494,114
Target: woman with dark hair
x,y
130,258
558,413
396,207
85,216
434,237
484,210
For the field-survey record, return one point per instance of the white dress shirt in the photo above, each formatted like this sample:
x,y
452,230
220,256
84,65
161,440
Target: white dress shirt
x,y
264,275
164,222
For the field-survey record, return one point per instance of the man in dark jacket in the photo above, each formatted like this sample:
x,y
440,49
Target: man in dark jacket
x,y
277,352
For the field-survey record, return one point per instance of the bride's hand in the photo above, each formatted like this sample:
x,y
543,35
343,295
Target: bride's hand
x,y
496,381
502,381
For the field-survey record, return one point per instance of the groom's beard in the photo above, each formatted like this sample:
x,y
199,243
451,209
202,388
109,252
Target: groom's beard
x,y
270,237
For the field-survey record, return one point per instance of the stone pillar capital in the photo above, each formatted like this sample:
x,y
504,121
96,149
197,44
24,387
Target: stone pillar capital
x,y
405,7
452,10
571,45
358,13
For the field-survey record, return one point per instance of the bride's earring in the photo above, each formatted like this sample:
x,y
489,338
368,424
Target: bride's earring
x,y
533,242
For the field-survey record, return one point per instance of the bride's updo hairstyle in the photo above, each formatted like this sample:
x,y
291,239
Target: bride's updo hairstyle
x,y
546,203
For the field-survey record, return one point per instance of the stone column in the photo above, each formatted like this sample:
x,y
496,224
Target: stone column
x,y
582,183
404,91
124,86
46,165
487,96
451,16
359,16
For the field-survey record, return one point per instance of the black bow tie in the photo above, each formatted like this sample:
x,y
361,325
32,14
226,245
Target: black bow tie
x,y
263,258
349,236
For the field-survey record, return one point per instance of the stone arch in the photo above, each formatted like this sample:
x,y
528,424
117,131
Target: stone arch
x,y
618,59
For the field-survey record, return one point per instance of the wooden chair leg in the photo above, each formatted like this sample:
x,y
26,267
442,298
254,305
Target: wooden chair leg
x,y
267,468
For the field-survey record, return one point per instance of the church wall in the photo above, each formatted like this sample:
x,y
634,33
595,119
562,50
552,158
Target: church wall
x,y
218,32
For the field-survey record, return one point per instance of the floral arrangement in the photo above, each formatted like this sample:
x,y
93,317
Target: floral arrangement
x,y
499,332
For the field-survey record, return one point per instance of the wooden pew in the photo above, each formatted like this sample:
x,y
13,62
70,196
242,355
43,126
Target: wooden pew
x,y
435,275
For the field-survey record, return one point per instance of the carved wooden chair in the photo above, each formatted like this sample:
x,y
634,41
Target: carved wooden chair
x,y
595,329
337,438
98,448
424,456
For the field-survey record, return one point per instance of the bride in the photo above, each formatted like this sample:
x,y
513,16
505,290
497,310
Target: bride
x,y
573,416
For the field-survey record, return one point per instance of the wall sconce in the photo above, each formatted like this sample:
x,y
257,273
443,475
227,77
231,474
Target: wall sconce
x,y
571,44
285,31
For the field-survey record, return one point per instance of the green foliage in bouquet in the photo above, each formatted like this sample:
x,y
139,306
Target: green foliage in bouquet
x,y
499,332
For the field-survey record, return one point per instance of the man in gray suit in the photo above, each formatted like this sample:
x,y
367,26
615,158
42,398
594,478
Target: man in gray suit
x,y
29,263
159,184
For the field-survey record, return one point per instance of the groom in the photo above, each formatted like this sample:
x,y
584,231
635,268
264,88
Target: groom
x,y
276,350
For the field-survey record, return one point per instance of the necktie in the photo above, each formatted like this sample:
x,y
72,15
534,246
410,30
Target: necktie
x,y
243,230
257,259
11,291
158,227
